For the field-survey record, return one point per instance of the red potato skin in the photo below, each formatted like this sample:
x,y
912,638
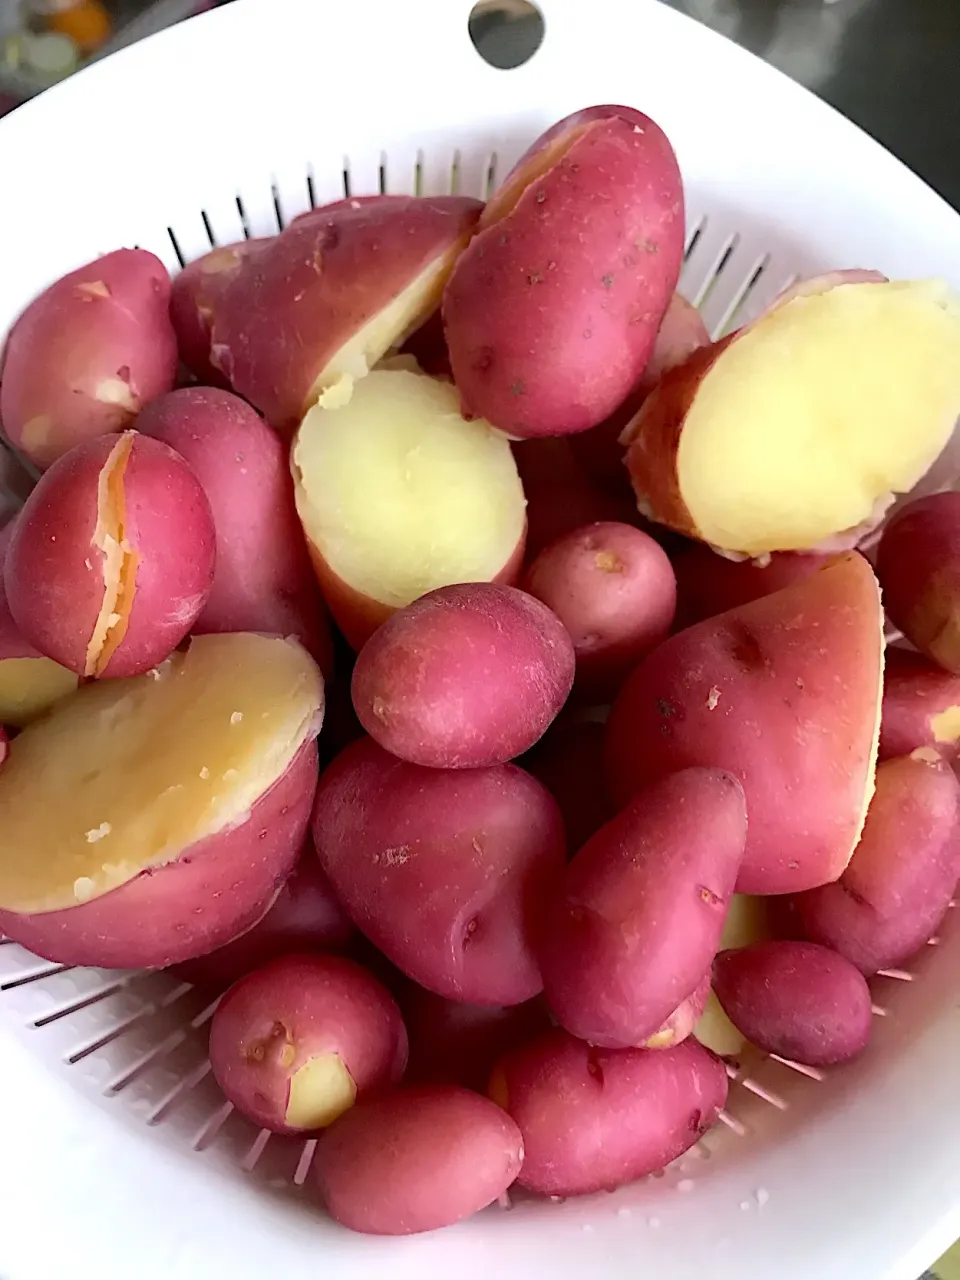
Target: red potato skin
x,y
613,588
795,999
428,346
106,320
212,893
709,584
487,843
194,298
54,574
314,1004
289,308
568,760
825,282
546,342
593,1119
263,579
918,564
465,677
416,1160
4,745
916,692
305,916
903,873
708,694
637,917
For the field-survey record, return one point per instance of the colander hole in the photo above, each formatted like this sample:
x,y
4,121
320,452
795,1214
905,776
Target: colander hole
x,y
277,207
382,174
418,175
133,1072
490,184
35,975
311,190
244,220
695,233
736,312
76,1005
713,275
108,1037
304,1163
176,247
208,228
455,167
347,191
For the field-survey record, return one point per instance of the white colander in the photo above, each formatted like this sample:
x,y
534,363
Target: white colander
x,y
119,1159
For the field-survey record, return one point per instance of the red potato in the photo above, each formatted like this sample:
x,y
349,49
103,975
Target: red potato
x,y
594,1119
263,579
852,431
416,1160
708,584
182,801
632,926
112,557
444,871
305,916
545,340
684,1019
398,495
903,873
456,1043
921,706
315,309
784,693
568,760
87,355
918,564
293,1045
795,999
194,299
464,677
614,590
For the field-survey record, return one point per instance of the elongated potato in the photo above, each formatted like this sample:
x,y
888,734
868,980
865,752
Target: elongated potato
x,y
112,557
748,920
708,584
399,495
552,311
319,304
795,999
903,873
637,918
416,1160
785,694
182,801
194,299
464,677
853,430
445,871
593,1119
921,706
568,760
87,355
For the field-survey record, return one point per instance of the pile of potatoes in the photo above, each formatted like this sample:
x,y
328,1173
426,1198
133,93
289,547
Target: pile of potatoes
x,y
616,771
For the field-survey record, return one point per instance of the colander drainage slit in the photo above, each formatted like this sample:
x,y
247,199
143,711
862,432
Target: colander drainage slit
x,y
812,1073
36,975
176,247
206,1014
346,178
490,184
311,189
418,175
383,183
208,1133
249,1161
304,1163
277,208
131,1073
108,1037
173,996
900,975
732,1123
76,1005
734,315
455,174
767,1095
695,234
209,230
178,1092
244,221
712,276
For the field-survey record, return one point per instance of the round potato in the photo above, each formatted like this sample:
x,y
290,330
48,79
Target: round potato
x,y
921,706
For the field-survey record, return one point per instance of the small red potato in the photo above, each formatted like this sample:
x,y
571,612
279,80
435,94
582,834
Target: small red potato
x,y
795,999
464,677
445,871
112,557
684,1019
784,693
921,706
263,579
305,916
918,564
614,590
568,760
593,1119
903,873
456,1043
294,1044
708,584
416,1160
315,309
637,917
551,312
863,381
87,355
182,798
194,299
398,495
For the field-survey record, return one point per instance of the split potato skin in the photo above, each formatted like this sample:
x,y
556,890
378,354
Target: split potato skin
x,y
921,706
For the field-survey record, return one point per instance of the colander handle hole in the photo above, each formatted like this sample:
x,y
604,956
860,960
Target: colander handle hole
x,y
506,33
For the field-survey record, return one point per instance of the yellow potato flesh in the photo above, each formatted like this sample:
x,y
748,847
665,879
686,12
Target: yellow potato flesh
x,y
819,412
320,1091
716,1032
126,774
30,686
399,494
747,921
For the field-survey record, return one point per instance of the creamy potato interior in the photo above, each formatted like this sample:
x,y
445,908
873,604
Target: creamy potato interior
x,y
30,686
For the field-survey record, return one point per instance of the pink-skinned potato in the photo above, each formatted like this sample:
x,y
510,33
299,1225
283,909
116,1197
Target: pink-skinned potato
x,y
87,355
708,584
183,799
921,706
918,564
593,1119
112,557
795,999
305,916
318,306
194,299
465,677
263,579
568,760
547,341
783,692
633,924
418,1159
903,873
445,871
294,1044
613,588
